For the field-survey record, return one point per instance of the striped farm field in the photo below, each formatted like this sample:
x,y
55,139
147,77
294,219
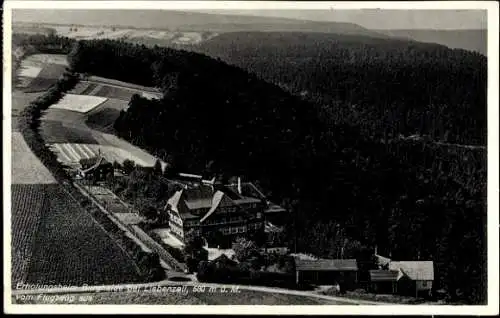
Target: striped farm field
x,y
70,248
71,153
78,103
28,203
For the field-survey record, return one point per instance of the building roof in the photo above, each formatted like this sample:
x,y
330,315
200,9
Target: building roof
x,y
199,203
274,209
248,189
384,275
215,203
326,265
173,201
382,261
414,270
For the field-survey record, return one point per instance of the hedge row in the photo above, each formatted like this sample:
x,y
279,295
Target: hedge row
x,y
213,272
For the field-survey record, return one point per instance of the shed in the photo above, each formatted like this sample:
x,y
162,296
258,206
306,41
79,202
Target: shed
x,y
384,281
414,276
326,271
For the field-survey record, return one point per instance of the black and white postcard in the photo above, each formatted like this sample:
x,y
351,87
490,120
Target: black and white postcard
x,y
323,157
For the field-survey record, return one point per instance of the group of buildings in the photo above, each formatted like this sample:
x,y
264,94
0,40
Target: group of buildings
x,y
411,278
223,212
220,212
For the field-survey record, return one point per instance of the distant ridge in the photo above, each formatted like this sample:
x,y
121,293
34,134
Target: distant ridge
x,y
471,40
185,21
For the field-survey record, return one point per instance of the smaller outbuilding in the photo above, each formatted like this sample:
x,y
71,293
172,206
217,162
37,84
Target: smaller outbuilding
x,y
326,271
384,281
415,277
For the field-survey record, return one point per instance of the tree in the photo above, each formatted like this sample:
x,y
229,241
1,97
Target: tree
x,y
128,166
157,170
148,210
245,250
116,165
194,251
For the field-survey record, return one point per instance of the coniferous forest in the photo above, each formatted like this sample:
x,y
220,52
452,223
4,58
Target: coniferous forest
x,y
341,160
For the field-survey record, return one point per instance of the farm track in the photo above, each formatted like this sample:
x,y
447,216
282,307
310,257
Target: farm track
x,y
120,291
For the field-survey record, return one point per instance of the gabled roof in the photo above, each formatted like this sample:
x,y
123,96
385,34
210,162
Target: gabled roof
x,y
414,270
174,200
248,189
326,265
382,260
384,276
219,199
199,204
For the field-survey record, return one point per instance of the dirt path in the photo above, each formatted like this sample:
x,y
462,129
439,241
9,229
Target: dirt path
x,y
137,287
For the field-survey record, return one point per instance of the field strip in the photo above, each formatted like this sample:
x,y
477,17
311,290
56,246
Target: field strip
x,y
29,71
73,155
79,103
138,270
138,287
60,151
122,226
26,166
85,150
94,90
88,150
120,84
80,151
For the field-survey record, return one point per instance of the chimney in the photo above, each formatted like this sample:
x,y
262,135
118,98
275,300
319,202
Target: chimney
x,y
239,185
376,253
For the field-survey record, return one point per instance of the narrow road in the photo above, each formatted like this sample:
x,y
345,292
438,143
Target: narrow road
x,y
137,287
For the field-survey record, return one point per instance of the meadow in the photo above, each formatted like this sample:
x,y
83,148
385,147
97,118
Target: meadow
x,y
79,103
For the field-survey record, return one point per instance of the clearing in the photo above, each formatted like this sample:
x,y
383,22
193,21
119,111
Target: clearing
x,y
78,103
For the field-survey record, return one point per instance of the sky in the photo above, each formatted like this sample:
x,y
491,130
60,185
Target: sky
x,y
368,18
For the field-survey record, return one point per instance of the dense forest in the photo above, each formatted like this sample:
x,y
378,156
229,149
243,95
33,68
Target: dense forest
x,y
386,87
413,198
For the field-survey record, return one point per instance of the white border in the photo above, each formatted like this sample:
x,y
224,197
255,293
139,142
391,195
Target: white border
x,y
493,185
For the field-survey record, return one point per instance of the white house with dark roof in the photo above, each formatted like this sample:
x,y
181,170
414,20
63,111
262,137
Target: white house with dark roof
x,y
208,209
414,277
404,277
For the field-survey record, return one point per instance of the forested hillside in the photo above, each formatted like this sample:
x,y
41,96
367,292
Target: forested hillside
x,y
472,40
413,198
386,87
